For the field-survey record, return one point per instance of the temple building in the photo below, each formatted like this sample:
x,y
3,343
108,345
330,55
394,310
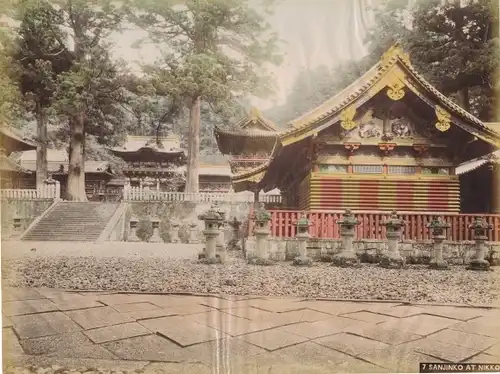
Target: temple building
x,y
12,173
388,141
249,145
160,164
158,161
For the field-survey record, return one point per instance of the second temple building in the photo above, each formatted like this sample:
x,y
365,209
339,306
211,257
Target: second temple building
x,y
388,141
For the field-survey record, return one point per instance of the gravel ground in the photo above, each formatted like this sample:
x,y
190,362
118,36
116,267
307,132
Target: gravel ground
x,y
416,283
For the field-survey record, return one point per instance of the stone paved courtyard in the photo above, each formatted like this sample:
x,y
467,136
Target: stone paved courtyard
x,y
206,334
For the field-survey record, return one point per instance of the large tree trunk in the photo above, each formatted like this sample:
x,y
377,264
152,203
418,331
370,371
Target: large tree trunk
x,y
76,170
463,98
41,149
193,146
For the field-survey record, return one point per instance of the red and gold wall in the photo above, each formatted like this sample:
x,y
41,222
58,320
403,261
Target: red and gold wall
x,y
374,192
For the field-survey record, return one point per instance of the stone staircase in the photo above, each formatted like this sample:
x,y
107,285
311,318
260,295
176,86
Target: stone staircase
x,y
72,221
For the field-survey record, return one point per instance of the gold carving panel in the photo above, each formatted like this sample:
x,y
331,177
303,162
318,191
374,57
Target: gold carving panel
x,y
443,119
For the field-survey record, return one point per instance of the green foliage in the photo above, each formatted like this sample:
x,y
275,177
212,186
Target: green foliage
x,y
213,51
9,92
453,46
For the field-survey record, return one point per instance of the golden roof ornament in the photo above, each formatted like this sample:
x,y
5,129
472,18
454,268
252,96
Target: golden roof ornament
x,y
395,89
395,52
346,118
443,119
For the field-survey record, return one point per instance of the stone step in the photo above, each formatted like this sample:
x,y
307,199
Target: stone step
x,y
79,221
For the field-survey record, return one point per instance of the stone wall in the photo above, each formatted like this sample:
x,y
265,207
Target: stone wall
x,y
183,211
456,253
27,210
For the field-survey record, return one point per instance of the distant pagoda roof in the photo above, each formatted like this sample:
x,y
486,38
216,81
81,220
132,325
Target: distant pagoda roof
x,y
136,145
12,142
253,129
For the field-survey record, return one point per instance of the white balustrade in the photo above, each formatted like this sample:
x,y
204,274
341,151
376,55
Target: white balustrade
x,y
49,190
141,194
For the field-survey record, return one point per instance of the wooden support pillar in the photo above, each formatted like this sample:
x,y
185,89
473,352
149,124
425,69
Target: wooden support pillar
x,y
256,197
495,189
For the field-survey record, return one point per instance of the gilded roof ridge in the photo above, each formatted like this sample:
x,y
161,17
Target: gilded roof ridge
x,y
242,132
372,74
368,80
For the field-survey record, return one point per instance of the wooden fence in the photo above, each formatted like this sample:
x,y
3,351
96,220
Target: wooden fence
x,y
324,225
142,194
47,191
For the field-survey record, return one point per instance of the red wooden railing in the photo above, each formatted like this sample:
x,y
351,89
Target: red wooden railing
x,y
324,225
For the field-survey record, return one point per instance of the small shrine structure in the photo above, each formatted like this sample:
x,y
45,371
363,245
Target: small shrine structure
x,y
249,144
388,141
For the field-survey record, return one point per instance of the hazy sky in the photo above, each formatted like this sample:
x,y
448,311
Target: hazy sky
x,y
315,32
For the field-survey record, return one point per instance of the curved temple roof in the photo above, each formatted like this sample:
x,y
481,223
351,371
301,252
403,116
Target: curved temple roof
x,y
476,163
251,128
12,142
135,144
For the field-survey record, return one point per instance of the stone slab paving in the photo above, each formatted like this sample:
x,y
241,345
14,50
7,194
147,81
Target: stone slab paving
x,y
205,334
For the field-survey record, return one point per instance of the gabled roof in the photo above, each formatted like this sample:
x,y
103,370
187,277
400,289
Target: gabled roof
x,y
393,68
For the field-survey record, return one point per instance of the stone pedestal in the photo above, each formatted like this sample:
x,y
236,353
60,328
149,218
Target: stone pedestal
x,y
480,228
212,220
193,233
391,258
210,245
16,230
155,238
347,257
174,231
438,229
132,234
437,261
302,236
479,262
262,232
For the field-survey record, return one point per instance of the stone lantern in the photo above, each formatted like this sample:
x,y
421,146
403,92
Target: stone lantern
x,y
302,235
16,227
174,231
261,218
220,242
132,235
193,233
347,257
480,228
394,229
438,230
212,222
155,238
235,234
